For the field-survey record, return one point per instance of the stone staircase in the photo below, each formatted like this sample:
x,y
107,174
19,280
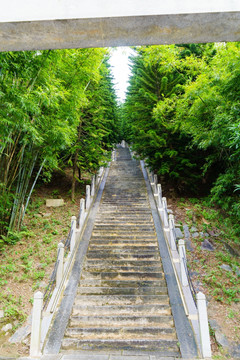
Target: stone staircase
x,y
122,301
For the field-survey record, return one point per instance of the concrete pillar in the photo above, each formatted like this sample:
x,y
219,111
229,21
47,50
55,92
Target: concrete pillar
x,y
155,181
81,213
114,155
35,350
147,169
60,267
73,235
99,174
88,197
151,174
165,214
165,219
172,232
93,186
182,256
160,203
203,325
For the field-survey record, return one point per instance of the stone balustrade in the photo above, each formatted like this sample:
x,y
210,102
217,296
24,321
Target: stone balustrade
x,y
44,309
195,306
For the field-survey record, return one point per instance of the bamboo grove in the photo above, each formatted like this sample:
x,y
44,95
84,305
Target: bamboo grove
x,y
182,114
56,108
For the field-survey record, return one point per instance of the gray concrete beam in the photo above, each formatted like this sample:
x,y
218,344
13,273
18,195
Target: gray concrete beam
x,y
120,31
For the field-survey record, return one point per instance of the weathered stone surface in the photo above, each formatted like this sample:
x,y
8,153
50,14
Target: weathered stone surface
x,y
20,334
85,357
187,236
194,273
206,245
226,267
195,234
129,357
221,339
193,229
1,314
119,31
7,327
46,214
179,233
214,324
186,231
54,202
235,351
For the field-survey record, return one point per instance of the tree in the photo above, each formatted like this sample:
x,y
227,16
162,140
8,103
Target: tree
x,y
45,97
183,110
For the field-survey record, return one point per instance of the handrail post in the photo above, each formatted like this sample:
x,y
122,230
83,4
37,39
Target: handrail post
x,y
88,197
81,213
99,174
182,256
113,155
60,267
203,325
172,232
93,186
155,189
159,193
151,175
165,214
160,203
73,235
35,350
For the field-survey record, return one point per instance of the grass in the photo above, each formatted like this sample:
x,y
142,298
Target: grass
x,y
221,287
28,257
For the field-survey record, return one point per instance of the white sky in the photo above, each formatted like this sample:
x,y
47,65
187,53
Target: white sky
x,y
120,69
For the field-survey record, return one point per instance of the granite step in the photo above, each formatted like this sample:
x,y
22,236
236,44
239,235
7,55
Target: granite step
x,y
120,333
100,290
140,310
122,275
118,263
122,321
122,268
123,242
144,256
121,299
123,246
127,251
162,347
143,237
123,283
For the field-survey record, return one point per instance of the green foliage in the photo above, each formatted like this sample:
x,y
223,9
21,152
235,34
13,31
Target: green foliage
x,y
182,114
46,96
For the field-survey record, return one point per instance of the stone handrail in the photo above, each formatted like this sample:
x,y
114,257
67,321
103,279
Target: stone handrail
x,y
42,313
195,309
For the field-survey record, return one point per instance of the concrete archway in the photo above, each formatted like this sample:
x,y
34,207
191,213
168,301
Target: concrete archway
x,y
58,24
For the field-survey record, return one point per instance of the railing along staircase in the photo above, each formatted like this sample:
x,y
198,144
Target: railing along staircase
x,y
131,293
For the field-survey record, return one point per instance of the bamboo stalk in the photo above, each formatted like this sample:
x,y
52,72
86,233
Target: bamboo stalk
x,y
30,192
